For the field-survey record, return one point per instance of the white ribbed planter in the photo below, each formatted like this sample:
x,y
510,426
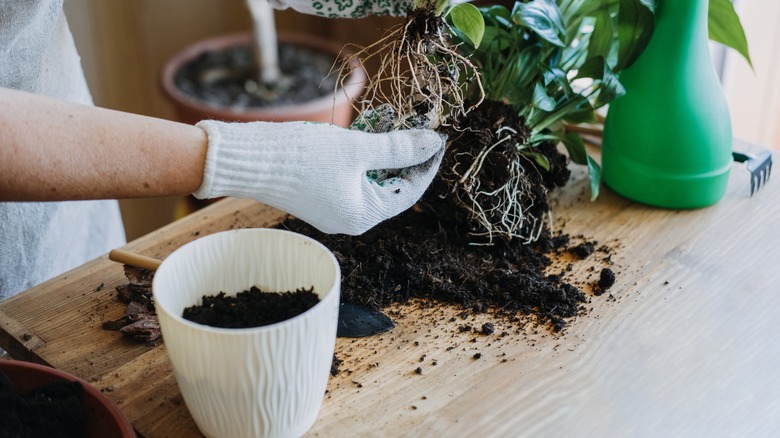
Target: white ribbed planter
x,y
255,382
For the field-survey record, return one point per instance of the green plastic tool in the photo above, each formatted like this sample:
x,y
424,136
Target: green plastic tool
x,y
667,141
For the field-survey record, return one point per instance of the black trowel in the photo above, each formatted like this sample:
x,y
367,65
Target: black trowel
x,y
356,321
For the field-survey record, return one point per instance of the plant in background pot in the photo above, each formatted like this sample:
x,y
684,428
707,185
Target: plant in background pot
x,y
249,77
261,76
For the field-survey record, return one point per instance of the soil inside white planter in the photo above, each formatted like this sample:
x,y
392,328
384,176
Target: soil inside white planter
x,y
228,77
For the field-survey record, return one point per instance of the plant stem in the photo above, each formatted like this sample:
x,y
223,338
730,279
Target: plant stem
x,y
265,44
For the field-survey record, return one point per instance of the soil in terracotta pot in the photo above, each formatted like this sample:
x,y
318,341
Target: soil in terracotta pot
x,y
53,410
228,78
251,308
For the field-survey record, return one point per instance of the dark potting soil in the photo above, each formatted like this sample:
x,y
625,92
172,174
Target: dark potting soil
x,y
411,256
479,130
53,410
427,251
606,280
251,308
228,78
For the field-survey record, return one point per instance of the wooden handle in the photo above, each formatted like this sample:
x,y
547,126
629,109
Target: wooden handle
x,y
596,131
133,259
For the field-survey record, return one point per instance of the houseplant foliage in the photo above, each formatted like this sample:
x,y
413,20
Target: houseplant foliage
x,y
514,77
539,64
546,63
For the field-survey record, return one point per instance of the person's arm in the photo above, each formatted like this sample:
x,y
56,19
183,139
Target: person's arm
x,y
54,150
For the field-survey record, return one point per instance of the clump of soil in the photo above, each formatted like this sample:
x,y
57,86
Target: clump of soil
x,y
488,188
606,280
53,410
228,77
251,308
139,321
583,250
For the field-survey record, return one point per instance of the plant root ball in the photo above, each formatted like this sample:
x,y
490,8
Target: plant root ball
x,y
495,185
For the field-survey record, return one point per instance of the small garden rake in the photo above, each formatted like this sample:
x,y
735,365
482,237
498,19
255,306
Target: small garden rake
x,y
758,161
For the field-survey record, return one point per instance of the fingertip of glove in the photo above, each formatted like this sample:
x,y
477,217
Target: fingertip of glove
x,y
435,139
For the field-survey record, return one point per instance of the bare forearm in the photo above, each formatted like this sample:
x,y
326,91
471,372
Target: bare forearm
x,y
54,150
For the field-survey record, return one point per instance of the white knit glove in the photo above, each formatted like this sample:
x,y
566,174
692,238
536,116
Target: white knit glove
x,y
317,172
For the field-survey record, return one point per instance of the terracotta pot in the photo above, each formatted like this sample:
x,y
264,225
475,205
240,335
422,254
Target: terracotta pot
x,y
103,417
323,109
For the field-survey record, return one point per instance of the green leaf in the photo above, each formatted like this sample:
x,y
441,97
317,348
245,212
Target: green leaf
x,y
583,114
543,18
579,155
592,68
609,89
439,6
541,100
635,26
557,76
498,12
650,4
541,160
516,80
594,175
467,18
492,40
725,28
608,85
575,147
600,41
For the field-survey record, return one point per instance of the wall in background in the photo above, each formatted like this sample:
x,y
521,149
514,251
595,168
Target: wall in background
x,y
754,95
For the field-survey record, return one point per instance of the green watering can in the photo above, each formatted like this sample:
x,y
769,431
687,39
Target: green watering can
x,y
667,141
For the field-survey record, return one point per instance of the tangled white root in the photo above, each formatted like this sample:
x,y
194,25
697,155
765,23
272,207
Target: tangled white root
x,y
503,212
418,76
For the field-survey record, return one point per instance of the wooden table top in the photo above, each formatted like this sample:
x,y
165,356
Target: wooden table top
x,y
684,344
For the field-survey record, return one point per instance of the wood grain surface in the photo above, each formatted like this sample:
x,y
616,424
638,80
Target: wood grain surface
x,y
684,344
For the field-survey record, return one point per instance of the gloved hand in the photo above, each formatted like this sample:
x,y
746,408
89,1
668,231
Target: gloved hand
x,y
345,8
317,172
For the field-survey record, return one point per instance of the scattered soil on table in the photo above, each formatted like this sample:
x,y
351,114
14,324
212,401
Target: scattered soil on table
x,y
606,280
441,252
251,308
412,256
228,77
53,410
